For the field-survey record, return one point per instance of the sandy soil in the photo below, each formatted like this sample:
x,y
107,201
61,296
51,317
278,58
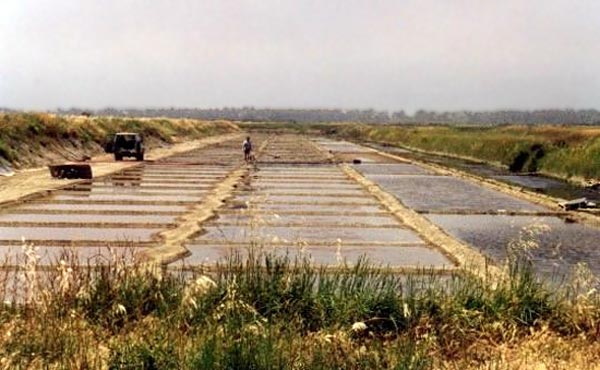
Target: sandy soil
x,y
37,181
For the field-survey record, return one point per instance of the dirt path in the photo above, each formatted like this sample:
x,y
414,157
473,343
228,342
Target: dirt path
x,y
34,182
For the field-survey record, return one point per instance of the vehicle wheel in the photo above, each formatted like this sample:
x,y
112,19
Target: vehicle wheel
x,y
118,157
140,157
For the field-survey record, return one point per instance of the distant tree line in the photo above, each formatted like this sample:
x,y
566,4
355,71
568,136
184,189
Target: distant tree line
x,y
552,116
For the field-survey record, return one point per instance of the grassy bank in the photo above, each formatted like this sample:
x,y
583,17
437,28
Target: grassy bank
x,y
272,313
28,139
562,151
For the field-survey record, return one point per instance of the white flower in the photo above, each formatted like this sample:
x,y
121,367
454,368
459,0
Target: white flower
x,y
121,309
359,326
406,310
204,284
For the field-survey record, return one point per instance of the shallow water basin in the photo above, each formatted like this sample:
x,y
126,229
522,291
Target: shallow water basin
x,y
104,207
275,219
431,193
76,233
559,245
306,199
338,208
393,256
79,218
328,235
391,169
125,197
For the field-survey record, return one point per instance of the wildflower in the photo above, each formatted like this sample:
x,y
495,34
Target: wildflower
x,y
204,283
338,251
359,326
255,329
406,310
200,286
121,309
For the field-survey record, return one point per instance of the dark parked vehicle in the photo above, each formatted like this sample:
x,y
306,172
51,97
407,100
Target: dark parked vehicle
x,y
125,144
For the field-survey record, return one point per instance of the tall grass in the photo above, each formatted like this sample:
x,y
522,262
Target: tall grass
x,y
266,312
564,151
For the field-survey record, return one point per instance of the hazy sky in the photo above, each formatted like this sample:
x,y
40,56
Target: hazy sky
x,y
383,54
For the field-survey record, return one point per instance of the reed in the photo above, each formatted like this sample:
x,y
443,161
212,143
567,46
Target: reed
x,y
267,312
562,151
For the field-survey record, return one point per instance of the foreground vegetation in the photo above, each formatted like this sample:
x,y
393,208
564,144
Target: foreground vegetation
x,y
26,137
562,151
273,313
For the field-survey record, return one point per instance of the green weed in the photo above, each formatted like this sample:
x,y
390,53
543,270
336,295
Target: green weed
x,y
268,312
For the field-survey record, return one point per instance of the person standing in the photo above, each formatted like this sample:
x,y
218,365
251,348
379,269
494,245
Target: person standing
x,y
247,148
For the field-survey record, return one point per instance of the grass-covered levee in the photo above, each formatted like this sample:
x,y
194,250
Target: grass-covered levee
x,y
565,151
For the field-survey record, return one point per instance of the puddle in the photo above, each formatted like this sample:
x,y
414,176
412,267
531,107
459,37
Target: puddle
x,y
331,192
204,185
307,198
393,256
391,169
104,207
137,190
126,197
310,234
167,185
560,248
301,182
193,173
76,233
161,170
338,208
298,170
309,186
74,217
164,180
245,219
306,177
442,193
